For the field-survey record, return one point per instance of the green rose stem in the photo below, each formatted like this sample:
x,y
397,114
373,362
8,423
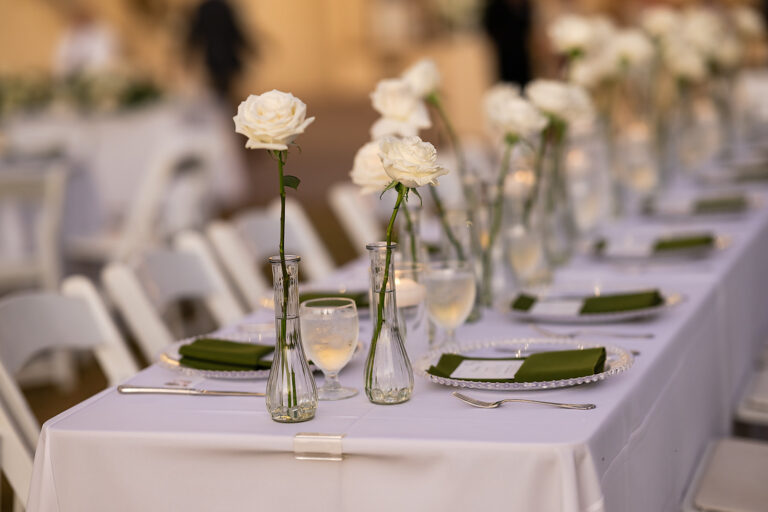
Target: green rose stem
x,y
402,191
498,208
434,100
283,339
411,233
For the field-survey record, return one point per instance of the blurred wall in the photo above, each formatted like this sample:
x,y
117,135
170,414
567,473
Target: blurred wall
x,y
335,49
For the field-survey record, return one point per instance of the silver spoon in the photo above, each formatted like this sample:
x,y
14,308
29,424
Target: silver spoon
x,y
492,405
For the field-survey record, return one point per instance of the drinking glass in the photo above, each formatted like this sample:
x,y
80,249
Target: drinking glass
x,y
329,329
450,294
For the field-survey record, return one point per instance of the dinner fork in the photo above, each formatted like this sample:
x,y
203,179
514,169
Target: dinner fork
x,y
492,405
591,332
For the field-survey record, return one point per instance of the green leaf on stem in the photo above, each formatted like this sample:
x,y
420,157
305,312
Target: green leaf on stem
x,y
291,181
392,184
415,191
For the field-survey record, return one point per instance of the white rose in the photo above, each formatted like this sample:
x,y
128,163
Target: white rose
x,y
423,77
728,54
368,171
498,95
659,21
402,112
410,161
517,117
684,61
271,120
567,102
748,21
602,28
631,48
703,29
592,71
571,33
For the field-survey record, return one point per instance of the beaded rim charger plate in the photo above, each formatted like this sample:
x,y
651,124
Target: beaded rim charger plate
x,y
617,360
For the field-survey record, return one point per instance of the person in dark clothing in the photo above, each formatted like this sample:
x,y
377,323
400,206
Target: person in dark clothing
x,y
508,24
214,33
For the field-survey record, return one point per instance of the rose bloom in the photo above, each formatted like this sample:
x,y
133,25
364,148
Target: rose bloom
x,y
684,61
659,21
515,116
571,33
271,120
567,102
368,171
423,77
593,70
402,112
630,47
748,21
410,161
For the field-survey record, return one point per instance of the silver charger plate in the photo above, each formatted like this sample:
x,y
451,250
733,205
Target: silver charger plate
x,y
617,360
670,301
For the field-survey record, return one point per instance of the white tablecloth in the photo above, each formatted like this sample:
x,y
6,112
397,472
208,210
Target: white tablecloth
x,y
635,452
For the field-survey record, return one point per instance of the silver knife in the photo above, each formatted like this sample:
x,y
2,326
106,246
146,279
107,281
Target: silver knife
x,y
142,390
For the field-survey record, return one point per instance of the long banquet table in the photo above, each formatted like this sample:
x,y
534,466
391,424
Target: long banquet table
x,y
635,452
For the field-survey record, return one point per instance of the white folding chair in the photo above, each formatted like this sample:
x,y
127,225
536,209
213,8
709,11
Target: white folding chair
x,y
261,230
238,261
33,322
151,217
357,213
16,458
142,294
31,199
730,476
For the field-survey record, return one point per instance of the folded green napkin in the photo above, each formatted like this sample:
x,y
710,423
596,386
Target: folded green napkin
x,y
683,242
609,303
725,204
541,366
361,298
218,354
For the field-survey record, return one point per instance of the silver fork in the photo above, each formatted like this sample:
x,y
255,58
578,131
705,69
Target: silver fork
x,y
591,332
492,405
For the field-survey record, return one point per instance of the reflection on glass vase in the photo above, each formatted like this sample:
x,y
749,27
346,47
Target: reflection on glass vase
x,y
388,374
291,395
459,247
410,301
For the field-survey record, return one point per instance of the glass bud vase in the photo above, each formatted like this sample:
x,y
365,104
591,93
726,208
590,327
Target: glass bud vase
x,y
388,373
291,395
558,224
412,250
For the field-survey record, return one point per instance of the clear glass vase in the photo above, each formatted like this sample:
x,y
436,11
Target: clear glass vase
x,y
388,374
558,226
291,395
411,248
524,252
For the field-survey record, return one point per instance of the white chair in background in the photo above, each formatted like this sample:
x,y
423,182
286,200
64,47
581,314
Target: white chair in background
x,y
40,195
753,405
356,213
252,237
142,294
238,262
731,476
151,217
16,459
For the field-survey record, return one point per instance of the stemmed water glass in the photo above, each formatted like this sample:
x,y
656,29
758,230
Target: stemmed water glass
x,y
329,330
450,294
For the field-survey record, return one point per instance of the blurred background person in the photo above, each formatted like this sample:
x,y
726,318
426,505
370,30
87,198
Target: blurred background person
x,y
508,24
215,37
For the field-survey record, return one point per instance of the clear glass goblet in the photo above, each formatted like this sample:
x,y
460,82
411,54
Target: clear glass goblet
x,y
450,294
329,330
